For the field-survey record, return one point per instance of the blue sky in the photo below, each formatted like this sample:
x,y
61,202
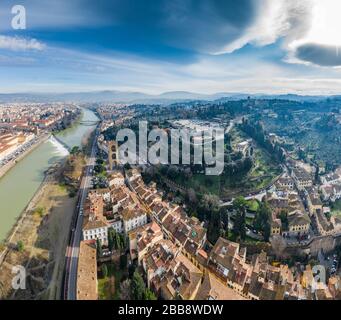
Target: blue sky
x,y
153,46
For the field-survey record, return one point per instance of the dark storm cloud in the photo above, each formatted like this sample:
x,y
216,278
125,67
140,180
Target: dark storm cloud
x,y
204,25
198,25
322,55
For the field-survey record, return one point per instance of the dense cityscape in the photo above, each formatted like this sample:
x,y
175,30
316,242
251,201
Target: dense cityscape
x,y
166,231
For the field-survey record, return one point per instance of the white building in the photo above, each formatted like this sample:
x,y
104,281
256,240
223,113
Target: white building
x,y
117,224
302,178
133,218
116,180
95,229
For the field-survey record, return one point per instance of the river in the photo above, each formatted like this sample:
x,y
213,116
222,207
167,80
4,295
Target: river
x,y
19,185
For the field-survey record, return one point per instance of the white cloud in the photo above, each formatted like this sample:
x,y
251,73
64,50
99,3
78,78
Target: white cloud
x,y
275,19
20,44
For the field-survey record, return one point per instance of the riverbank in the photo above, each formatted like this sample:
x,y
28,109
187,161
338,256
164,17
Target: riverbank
x,y
43,228
37,209
8,166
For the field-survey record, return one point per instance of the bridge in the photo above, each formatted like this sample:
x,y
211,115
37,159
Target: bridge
x,y
89,123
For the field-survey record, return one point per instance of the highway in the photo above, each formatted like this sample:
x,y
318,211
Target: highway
x,y
72,251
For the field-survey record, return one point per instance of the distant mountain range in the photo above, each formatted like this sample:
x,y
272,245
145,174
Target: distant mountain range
x,y
138,97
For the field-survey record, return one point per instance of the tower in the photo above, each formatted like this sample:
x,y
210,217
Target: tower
x,y
112,154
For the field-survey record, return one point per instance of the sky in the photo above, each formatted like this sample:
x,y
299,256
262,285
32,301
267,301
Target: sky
x,y
154,46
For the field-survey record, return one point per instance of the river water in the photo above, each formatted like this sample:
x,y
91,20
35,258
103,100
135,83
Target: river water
x,y
19,185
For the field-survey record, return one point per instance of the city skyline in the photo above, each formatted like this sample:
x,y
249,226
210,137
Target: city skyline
x,y
251,46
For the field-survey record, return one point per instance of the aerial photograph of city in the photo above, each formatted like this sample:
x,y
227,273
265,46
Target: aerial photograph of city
x,y
170,150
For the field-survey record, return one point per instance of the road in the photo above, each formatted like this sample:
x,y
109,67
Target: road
x,y
258,196
72,251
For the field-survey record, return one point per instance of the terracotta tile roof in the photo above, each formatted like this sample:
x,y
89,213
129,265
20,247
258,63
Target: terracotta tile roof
x,y
213,289
87,273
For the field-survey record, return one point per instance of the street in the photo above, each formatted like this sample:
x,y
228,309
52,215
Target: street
x,y
72,251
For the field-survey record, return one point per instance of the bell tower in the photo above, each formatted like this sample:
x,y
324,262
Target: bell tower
x,y
112,154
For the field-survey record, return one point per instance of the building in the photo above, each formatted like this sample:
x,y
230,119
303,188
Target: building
x,y
228,262
116,179
276,226
94,228
133,218
182,281
314,202
95,225
285,182
87,272
243,147
299,223
142,238
331,179
302,178
331,192
212,289
157,261
116,223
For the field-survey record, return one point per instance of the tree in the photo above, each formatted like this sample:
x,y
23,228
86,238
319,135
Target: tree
x,y
137,287
39,211
172,172
123,262
111,239
104,269
262,220
149,295
117,241
207,205
131,269
74,150
317,171
239,203
214,226
123,242
99,248
125,290
239,226
20,246
191,198
283,216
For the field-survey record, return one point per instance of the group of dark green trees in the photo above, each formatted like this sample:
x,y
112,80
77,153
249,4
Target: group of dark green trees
x,y
116,241
139,290
261,222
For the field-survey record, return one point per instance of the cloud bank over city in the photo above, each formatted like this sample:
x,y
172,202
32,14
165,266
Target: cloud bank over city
x,y
264,46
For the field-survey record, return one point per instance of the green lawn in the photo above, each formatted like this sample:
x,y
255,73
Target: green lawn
x,y
253,205
105,289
